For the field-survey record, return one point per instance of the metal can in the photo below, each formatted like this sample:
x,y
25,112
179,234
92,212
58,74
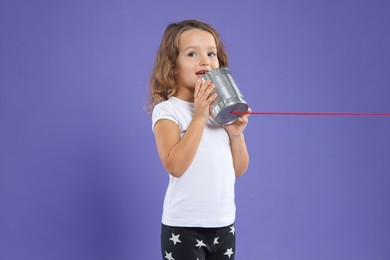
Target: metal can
x,y
229,97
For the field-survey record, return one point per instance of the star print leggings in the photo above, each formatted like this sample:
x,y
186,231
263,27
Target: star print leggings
x,y
188,243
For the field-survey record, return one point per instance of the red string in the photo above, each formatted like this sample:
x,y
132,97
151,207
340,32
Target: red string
x,y
311,113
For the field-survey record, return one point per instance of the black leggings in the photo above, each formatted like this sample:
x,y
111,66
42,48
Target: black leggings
x,y
187,243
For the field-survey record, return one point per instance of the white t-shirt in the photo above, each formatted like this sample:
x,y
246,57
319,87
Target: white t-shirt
x,y
204,195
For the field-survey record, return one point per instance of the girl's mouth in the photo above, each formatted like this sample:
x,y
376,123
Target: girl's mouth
x,y
201,72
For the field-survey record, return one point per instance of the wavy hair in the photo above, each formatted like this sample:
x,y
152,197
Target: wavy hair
x,y
162,83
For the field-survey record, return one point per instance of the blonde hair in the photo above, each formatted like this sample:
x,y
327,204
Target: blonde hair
x,y
162,82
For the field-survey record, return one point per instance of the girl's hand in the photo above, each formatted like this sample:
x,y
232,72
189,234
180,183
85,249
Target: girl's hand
x,y
237,128
203,99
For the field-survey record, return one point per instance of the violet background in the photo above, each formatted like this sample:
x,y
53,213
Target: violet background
x,y
79,173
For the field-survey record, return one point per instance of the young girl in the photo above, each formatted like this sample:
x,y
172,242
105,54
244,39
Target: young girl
x,y
201,157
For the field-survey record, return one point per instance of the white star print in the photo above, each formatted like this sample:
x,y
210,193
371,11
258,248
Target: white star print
x,y
175,239
229,252
200,243
216,241
169,256
232,230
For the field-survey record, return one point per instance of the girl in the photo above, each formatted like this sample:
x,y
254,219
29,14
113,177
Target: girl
x,y
201,157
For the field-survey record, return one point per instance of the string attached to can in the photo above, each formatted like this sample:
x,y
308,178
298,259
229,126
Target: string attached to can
x,y
312,114
231,105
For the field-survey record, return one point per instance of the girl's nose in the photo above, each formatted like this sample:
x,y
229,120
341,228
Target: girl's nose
x,y
204,61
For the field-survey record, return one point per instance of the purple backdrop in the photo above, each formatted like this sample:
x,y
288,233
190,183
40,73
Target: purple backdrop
x,y
79,173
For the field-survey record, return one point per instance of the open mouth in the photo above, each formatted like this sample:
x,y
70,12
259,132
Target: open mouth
x,y
201,72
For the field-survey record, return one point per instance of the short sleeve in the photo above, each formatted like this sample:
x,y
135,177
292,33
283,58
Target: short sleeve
x,y
163,110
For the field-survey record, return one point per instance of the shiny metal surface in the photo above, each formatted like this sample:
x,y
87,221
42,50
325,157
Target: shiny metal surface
x,y
229,98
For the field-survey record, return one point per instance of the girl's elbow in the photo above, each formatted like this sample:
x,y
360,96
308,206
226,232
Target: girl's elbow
x,y
240,173
176,174
174,171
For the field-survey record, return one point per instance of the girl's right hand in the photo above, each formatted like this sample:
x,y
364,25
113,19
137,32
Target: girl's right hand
x,y
203,99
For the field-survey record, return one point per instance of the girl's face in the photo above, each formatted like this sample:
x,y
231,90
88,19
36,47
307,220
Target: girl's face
x,y
197,55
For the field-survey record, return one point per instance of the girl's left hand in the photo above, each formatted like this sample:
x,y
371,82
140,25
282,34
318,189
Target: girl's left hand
x,y
237,128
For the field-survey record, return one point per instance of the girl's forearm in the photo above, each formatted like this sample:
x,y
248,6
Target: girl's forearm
x,y
240,155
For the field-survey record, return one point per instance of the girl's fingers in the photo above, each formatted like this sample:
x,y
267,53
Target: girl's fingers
x,y
247,115
208,91
198,85
204,89
211,98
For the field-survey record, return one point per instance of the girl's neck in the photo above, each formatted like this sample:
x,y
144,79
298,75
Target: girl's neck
x,y
185,94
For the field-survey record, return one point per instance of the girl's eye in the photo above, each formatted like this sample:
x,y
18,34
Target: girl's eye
x,y
212,54
192,54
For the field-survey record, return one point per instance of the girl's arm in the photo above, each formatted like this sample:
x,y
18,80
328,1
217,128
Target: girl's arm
x,y
238,145
177,154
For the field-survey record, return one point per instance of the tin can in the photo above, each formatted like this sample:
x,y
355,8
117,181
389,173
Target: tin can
x,y
229,97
